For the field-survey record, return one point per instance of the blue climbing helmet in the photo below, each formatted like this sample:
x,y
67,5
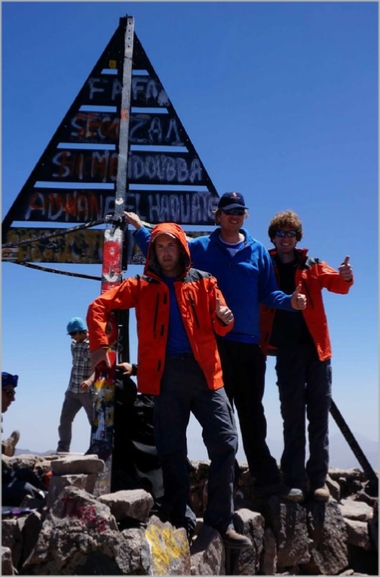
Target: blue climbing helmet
x,y
8,379
76,324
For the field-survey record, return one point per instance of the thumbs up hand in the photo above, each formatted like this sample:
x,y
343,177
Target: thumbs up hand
x,y
345,270
223,313
298,300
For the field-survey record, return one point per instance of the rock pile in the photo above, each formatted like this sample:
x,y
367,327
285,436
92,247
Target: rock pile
x,y
76,533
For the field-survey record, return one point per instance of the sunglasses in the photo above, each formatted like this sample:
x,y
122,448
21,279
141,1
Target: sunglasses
x,y
8,393
289,233
73,334
234,211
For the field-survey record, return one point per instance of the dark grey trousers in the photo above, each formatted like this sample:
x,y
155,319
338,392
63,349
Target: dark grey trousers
x,y
304,384
184,390
244,380
71,406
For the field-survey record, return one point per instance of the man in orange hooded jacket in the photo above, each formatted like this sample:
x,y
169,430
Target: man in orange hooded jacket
x,y
178,310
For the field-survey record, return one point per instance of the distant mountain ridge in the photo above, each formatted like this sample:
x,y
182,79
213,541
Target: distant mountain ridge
x,y
341,455
28,452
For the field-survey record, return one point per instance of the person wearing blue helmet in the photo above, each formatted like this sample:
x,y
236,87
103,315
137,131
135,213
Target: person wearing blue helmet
x,y
8,385
79,390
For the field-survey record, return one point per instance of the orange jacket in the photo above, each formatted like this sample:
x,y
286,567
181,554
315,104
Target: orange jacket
x,y
196,293
314,275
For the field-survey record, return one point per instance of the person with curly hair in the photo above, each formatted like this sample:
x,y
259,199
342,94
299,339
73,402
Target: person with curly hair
x,y
302,346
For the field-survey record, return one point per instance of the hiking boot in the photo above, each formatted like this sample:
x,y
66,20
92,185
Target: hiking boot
x,y
280,489
9,444
321,493
190,532
234,540
292,494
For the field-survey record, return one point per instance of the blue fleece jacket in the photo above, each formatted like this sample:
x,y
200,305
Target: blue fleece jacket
x,y
245,279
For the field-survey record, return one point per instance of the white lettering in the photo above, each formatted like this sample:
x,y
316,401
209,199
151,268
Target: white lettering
x,y
164,168
155,131
195,170
173,128
93,88
136,123
116,88
149,90
192,208
183,173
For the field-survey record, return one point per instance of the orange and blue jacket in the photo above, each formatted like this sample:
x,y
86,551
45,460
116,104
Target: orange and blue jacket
x,y
196,292
314,275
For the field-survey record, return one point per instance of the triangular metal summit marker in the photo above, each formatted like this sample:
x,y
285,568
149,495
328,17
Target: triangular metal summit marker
x,y
75,179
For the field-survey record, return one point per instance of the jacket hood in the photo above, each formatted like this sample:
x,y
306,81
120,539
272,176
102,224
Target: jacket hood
x,y
173,229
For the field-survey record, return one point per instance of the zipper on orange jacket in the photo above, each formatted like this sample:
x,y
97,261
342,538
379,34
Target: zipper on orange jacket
x,y
305,287
155,315
193,308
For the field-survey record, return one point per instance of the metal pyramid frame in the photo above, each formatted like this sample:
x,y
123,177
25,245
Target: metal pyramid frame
x,y
120,146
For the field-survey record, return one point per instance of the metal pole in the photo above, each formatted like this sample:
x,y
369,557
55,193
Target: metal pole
x,y
122,164
356,449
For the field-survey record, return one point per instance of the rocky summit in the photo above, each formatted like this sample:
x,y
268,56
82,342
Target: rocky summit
x,y
74,531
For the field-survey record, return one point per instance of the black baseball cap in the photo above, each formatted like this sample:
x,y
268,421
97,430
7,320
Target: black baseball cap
x,y
231,200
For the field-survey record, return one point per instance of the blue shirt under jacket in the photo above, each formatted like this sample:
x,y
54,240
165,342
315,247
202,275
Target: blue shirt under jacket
x,y
178,342
245,279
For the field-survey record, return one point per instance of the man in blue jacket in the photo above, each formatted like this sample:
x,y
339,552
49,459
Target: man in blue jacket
x,y
245,275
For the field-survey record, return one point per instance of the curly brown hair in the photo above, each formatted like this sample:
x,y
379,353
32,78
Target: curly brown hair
x,y
287,218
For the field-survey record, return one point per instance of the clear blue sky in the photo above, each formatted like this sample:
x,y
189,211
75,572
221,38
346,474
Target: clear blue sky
x,y
281,103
